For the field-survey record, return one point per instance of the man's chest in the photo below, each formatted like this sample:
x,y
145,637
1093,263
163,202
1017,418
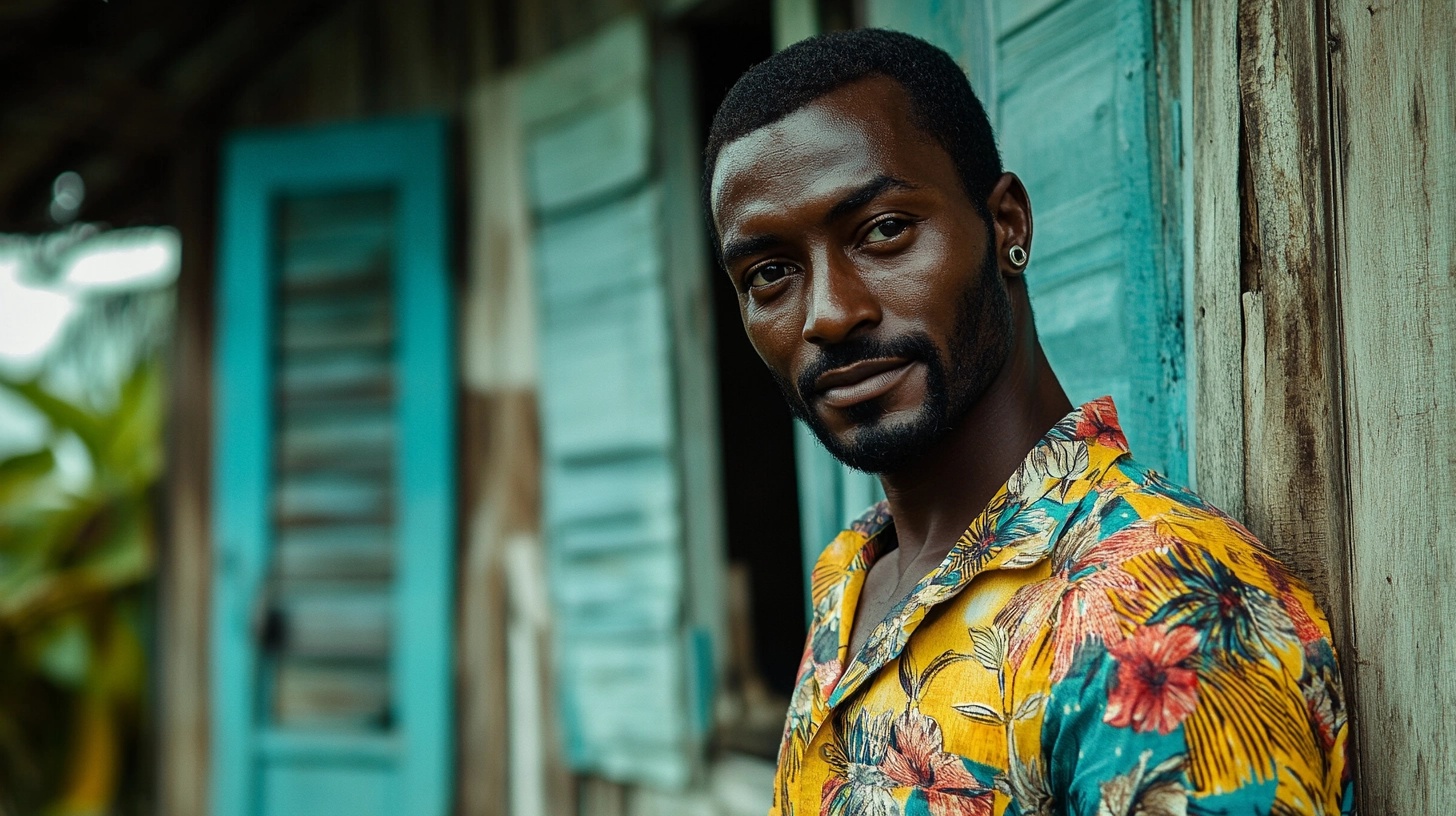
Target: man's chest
x,y
947,716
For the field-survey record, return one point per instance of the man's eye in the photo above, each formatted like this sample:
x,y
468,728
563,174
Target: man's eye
x,y
766,274
886,229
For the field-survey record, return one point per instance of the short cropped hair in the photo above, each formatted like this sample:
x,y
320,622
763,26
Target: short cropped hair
x,y
942,102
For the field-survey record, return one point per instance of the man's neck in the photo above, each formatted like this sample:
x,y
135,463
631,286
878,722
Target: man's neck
x,y
940,494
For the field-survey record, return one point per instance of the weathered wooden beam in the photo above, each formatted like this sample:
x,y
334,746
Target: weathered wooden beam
x,y
185,579
1393,82
1294,482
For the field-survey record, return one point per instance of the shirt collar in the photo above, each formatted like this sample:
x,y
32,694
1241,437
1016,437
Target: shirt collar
x,y
1014,531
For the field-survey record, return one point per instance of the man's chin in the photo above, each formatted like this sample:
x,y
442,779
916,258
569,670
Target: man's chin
x,y
883,445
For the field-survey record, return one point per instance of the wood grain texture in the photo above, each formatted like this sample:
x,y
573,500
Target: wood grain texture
x,y
183,622
1293,466
1217,438
501,502
1393,80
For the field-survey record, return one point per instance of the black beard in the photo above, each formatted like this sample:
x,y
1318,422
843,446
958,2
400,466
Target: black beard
x,y
978,349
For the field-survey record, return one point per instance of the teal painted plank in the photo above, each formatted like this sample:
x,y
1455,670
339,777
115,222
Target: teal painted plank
x,y
1073,91
241,483
304,790
425,496
602,150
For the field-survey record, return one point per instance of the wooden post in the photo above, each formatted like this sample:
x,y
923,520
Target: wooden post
x,y
1346,343
185,561
1294,484
1393,83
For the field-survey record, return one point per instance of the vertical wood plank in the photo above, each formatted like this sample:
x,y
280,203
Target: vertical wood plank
x,y
690,307
1217,438
1293,469
501,495
186,561
1394,92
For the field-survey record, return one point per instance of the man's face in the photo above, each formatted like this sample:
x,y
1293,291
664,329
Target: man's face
x,y
867,280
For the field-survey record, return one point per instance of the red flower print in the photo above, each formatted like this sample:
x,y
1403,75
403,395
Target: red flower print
x,y
1099,423
1156,689
917,758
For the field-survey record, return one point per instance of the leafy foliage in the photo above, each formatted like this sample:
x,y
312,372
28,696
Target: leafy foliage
x,y
75,564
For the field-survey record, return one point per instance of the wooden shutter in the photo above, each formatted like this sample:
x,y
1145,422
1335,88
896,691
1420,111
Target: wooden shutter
x,y
1080,116
630,475
334,483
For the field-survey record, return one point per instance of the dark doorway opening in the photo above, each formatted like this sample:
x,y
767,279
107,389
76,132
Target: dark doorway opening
x,y
761,500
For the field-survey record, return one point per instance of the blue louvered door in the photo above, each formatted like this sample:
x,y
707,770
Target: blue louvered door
x,y
334,475
631,521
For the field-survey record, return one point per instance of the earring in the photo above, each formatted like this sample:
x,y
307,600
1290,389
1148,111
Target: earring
x,y
1017,255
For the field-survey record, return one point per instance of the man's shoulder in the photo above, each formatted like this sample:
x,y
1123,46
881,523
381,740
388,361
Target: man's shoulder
x,y
1176,558
1165,618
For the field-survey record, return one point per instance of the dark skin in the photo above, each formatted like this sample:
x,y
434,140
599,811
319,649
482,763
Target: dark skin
x,y
844,218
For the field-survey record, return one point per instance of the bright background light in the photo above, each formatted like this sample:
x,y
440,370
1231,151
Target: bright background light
x,y
31,318
124,260
46,283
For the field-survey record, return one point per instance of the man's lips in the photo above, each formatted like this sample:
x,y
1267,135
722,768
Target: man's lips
x,y
861,381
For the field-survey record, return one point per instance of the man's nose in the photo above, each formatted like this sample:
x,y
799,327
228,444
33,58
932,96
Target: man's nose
x,y
840,304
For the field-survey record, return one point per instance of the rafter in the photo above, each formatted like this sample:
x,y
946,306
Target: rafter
x,y
115,121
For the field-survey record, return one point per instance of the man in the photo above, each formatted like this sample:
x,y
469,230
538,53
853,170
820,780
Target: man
x,y
1033,622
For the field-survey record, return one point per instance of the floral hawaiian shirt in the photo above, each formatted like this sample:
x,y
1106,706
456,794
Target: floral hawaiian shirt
x,y
1098,641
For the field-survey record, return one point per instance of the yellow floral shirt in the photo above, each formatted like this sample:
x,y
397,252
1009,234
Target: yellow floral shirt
x,y
1098,641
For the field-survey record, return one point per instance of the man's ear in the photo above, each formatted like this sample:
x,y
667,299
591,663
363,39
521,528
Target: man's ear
x,y
1010,209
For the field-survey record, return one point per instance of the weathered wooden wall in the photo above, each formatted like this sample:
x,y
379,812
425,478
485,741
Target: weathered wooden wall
x,y
1337,121
1294,488
1393,89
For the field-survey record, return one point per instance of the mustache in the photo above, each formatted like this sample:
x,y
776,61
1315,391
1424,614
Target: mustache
x,y
912,347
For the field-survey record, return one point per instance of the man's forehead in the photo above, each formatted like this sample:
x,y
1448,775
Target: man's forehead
x,y
841,134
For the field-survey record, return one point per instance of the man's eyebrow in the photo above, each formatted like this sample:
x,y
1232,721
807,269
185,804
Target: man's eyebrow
x,y
866,193
858,197
736,250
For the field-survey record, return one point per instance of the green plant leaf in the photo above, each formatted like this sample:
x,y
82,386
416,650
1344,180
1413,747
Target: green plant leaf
x,y
64,653
63,414
23,474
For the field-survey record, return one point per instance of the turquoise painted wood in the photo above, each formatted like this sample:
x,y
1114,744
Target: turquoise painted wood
x,y
334,485
1074,90
1068,84
634,669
